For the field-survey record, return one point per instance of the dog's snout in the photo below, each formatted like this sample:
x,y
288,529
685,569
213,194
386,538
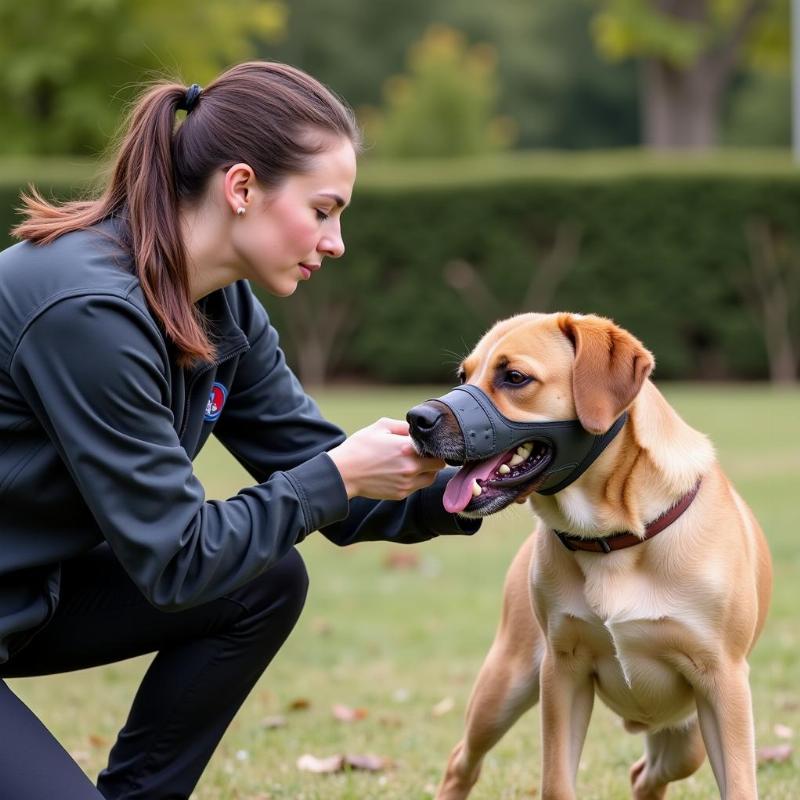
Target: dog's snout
x,y
424,418
435,432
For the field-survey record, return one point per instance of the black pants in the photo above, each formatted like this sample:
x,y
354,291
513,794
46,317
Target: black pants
x,y
209,658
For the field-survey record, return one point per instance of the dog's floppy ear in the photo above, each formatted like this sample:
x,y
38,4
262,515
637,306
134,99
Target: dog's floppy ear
x,y
610,367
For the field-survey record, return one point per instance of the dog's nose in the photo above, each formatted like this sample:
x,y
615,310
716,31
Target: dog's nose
x,y
423,418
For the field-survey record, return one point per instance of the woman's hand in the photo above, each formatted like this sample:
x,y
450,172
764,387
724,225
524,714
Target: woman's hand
x,y
381,462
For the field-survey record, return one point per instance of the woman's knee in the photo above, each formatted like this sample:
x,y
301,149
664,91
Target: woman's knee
x,y
290,577
279,592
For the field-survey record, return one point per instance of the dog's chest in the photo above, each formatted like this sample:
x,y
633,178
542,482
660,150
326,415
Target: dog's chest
x,y
631,664
626,627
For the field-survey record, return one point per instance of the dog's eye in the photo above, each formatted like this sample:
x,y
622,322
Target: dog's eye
x,y
516,378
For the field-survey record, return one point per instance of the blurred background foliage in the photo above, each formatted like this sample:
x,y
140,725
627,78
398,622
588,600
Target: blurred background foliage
x,y
689,53
572,74
69,67
520,156
443,107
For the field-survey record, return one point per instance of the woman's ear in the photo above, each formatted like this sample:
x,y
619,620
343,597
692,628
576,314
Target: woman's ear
x,y
610,367
238,187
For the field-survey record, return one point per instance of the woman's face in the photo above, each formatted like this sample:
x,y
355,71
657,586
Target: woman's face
x,y
286,233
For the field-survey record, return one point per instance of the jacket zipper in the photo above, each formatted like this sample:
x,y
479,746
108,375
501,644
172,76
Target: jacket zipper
x,y
190,388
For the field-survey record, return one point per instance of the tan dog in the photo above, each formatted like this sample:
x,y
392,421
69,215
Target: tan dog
x,y
660,630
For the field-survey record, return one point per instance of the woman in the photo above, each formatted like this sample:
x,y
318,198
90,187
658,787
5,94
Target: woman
x,y
128,334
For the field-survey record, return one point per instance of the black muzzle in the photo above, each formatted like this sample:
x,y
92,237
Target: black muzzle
x,y
488,433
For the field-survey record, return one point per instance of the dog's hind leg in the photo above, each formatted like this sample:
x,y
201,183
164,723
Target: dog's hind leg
x,y
507,685
669,756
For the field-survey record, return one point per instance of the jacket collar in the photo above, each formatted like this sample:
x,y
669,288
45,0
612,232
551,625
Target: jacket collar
x,y
223,328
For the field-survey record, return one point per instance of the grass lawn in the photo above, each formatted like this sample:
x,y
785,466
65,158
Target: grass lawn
x,y
398,642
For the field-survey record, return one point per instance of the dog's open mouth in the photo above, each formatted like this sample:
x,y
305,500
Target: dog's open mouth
x,y
483,487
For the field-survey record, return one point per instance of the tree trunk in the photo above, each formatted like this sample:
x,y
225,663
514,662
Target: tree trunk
x,y
681,105
316,327
680,108
775,282
783,365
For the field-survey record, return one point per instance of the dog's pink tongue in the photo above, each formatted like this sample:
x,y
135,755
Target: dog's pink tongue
x,y
458,491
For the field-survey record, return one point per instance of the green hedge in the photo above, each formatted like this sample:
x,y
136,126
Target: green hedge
x,y
662,248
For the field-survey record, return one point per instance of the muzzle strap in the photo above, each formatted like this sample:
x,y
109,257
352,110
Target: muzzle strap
x,y
598,445
487,432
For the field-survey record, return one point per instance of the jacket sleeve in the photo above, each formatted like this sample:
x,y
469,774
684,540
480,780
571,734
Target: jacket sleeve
x,y
270,423
416,519
93,369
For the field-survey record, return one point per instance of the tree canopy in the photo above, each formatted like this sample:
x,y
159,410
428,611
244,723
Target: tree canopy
x,y
690,53
679,31
444,105
70,67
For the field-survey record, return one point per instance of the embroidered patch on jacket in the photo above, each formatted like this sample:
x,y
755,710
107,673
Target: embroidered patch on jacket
x,y
216,400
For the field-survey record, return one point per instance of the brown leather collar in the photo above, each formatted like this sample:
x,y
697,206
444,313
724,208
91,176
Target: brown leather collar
x,y
619,541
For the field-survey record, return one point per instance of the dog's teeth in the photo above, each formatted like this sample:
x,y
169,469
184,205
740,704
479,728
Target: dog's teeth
x,y
476,489
515,459
525,450
504,469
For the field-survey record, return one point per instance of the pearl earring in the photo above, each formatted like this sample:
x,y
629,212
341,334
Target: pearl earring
x,y
240,211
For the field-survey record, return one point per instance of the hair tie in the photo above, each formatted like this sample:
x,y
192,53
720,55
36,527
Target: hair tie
x,y
190,98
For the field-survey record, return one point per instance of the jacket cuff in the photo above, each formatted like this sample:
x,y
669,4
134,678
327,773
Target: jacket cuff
x,y
432,514
321,490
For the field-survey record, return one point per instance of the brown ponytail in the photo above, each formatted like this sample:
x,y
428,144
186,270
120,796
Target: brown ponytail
x,y
259,113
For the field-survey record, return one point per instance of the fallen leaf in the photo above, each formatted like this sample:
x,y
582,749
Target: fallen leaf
x,y
443,707
371,763
299,704
401,559
309,763
97,741
783,731
339,763
277,721
773,755
347,714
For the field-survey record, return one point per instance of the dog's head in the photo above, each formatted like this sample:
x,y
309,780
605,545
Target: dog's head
x,y
579,372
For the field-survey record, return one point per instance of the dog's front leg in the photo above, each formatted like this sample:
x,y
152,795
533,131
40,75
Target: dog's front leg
x,y
567,696
724,708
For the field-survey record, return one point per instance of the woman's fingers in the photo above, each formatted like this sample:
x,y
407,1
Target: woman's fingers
x,y
380,461
421,463
425,462
398,426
